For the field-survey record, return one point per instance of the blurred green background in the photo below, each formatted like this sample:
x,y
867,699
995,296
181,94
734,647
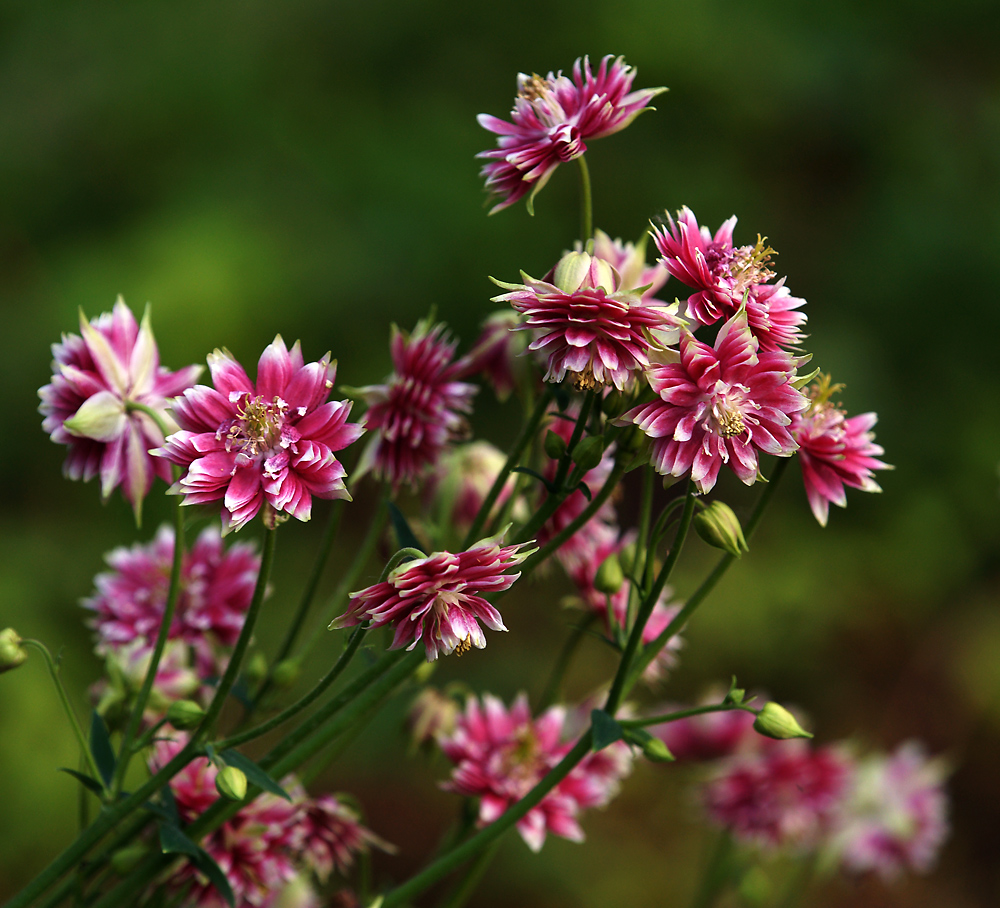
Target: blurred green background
x,y
308,168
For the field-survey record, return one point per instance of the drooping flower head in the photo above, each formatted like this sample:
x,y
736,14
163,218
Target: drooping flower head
x,y
720,405
270,443
501,754
895,815
552,119
100,374
418,411
439,599
835,450
587,325
727,277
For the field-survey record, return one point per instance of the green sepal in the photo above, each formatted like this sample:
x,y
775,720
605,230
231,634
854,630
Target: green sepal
x,y
254,773
588,453
100,748
605,729
86,781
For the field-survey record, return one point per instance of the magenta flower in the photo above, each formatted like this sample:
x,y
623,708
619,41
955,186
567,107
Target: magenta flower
x,y
552,119
501,754
895,814
586,325
727,277
835,451
329,834
417,412
785,796
463,478
439,599
720,406
101,376
496,354
270,443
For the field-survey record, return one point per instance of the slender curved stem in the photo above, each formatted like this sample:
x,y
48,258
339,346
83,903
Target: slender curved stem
x,y
157,417
646,721
586,202
467,885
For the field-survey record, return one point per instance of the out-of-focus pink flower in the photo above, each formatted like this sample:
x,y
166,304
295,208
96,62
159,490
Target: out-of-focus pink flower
x,y
720,406
501,754
587,325
497,354
785,796
100,374
329,835
417,412
551,121
266,443
216,588
727,276
835,451
463,479
629,260
895,816
709,736
439,599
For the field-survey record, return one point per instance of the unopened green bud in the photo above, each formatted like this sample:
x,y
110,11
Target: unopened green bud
x,y
609,577
286,673
718,526
555,446
657,752
423,674
774,721
231,783
256,669
611,406
588,453
125,859
185,714
627,557
12,654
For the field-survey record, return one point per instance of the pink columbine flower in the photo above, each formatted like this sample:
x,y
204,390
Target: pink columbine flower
x,y
267,443
100,374
463,479
720,405
216,588
418,411
895,814
551,121
439,599
785,796
835,450
587,325
727,277
496,354
501,754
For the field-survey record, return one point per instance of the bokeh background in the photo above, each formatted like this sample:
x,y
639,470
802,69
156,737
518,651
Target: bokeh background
x,y
308,168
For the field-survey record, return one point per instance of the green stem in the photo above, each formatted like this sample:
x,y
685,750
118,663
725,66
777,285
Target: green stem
x,y
799,883
139,707
586,202
68,709
132,405
473,875
718,873
646,721
521,443
551,691
578,430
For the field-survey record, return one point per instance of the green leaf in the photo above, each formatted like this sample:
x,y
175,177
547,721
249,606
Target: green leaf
x,y
404,534
606,729
254,773
204,862
100,747
85,780
536,475
174,841
584,490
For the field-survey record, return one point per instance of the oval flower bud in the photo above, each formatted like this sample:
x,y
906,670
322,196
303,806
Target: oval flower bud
x,y
286,673
185,714
231,783
774,721
719,526
12,654
610,576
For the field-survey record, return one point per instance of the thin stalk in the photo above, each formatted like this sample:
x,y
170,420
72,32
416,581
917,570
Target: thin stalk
x,y
646,721
551,691
718,873
467,885
578,430
586,202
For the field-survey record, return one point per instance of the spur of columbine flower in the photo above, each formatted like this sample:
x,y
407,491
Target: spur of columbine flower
x,y
418,411
835,450
728,277
270,443
438,599
720,405
551,121
107,385
587,325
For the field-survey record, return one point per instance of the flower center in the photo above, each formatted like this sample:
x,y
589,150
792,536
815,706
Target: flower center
x,y
534,88
727,413
257,427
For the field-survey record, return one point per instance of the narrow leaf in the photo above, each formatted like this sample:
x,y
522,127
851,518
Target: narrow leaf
x,y
174,841
536,475
85,780
585,490
606,729
254,773
205,863
100,747
404,534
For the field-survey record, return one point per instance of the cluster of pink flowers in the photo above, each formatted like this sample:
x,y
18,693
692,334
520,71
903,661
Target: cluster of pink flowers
x,y
270,843
107,400
418,411
438,600
270,443
500,754
552,120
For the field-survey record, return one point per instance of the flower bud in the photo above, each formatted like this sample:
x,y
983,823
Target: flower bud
x,y
656,751
12,654
588,453
185,714
555,446
626,557
256,669
286,673
718,526
432,715
231,783
609,577
774,721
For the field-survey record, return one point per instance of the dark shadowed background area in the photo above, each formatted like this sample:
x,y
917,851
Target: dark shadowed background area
x,y
308,168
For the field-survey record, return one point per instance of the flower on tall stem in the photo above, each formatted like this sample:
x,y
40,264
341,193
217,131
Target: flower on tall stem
x,y
552,119
438,599
835,450
265,443
418,411
104,379
720,405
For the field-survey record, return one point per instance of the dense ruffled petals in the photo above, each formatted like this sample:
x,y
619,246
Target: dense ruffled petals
x,y
100,375
271,444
